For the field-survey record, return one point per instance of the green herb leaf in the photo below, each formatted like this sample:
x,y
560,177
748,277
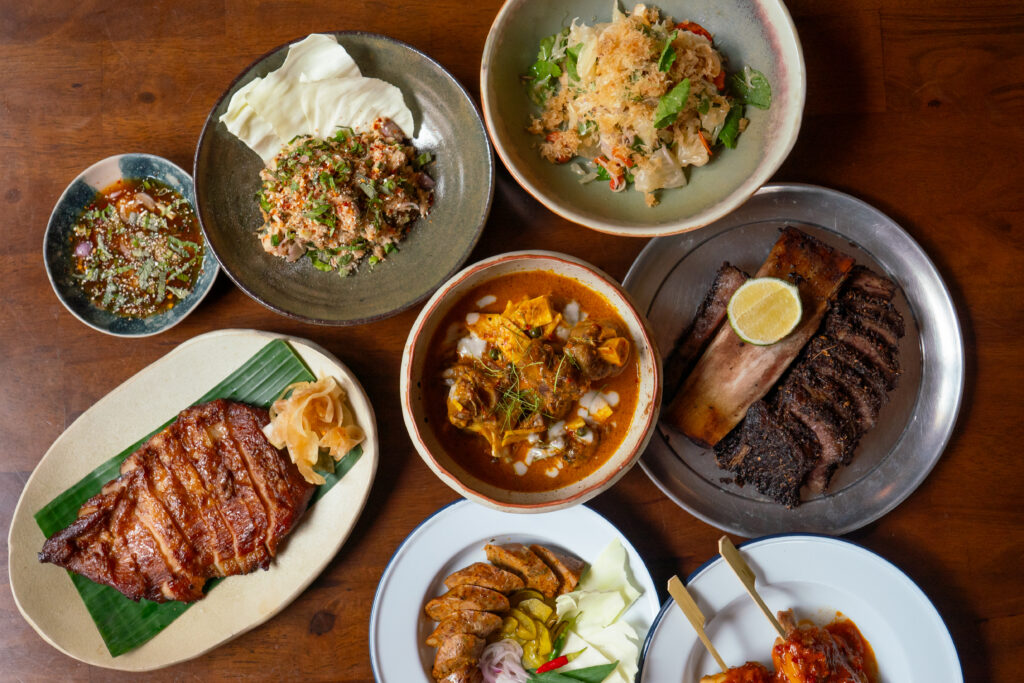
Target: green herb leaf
x,y
587,127
668,53
343,133
572,56
275,239
590,674
704,106
671,103
731,128
602,173
751,87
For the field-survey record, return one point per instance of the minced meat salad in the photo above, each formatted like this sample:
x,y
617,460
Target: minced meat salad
x,y
643,97
340,200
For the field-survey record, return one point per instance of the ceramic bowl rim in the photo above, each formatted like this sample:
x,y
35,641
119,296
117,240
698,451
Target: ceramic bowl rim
x,y
625,307
50,226
762,173
210,123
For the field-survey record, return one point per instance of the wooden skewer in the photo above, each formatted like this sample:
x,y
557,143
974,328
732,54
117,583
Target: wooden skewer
x,y
746,576
696,618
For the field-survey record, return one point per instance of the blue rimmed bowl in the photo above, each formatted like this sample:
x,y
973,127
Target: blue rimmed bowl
x,y
60,262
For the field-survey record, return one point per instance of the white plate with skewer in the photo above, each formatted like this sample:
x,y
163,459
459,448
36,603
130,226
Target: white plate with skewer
x,y
817,577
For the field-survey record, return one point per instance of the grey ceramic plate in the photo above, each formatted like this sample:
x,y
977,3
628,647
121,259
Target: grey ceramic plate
x,y
671,276
447,125
57,244
755,33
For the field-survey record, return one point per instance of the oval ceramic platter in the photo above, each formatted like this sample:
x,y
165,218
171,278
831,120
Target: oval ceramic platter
x,y
47,598
447,125
670,278
454,537
816,577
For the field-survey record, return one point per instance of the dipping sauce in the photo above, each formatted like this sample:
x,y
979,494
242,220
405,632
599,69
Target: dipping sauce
x,y
532,381
137,248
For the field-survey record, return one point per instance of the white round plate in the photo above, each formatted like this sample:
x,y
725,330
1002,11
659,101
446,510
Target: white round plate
x,y
816,576
454,537
47,598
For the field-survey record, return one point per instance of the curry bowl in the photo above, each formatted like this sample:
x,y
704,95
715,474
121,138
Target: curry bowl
x,y
748,33
58,248
530,382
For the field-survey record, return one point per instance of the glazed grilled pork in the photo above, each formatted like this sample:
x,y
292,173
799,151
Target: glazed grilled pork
x,y
206,497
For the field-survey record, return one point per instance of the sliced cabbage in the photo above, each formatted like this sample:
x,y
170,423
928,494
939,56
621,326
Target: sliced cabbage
x,y
243,122
314,58
353,102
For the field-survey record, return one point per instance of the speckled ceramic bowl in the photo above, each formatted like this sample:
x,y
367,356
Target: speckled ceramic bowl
x,y
57,244
644,418
755,33
447,125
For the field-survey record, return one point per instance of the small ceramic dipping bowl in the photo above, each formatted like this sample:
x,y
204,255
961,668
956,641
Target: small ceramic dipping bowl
x,y
415,385
755,33
60,262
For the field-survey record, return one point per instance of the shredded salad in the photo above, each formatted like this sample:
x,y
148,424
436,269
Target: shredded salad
x,y
639,99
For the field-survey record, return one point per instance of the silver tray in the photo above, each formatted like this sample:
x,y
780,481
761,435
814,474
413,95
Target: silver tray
x,y
669,279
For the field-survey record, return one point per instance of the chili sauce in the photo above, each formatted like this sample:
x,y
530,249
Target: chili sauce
x,y
137,248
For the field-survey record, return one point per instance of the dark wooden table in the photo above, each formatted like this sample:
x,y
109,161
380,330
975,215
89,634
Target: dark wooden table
x,y
913,105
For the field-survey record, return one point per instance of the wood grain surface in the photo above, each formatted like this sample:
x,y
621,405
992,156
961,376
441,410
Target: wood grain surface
x,y
915,106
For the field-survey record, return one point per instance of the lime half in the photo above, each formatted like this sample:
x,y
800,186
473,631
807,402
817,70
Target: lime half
x,y
764,310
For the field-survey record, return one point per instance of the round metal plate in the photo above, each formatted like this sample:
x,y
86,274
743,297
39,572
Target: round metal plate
x,y
668,281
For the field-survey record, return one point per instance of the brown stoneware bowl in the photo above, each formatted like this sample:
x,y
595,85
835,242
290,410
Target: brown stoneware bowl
x,y
413,389
447,125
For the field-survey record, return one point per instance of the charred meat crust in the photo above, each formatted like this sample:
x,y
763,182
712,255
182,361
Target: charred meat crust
x,y
731,375
710,314
206,497
829,398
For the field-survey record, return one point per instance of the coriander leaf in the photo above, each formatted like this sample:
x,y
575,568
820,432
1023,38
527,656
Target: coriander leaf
x,y
704,106
671,103
668,54
590,674
731,128
751,87
587,127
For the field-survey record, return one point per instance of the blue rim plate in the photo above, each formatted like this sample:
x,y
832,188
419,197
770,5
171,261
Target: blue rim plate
x,y
817,576
57,244
453,537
